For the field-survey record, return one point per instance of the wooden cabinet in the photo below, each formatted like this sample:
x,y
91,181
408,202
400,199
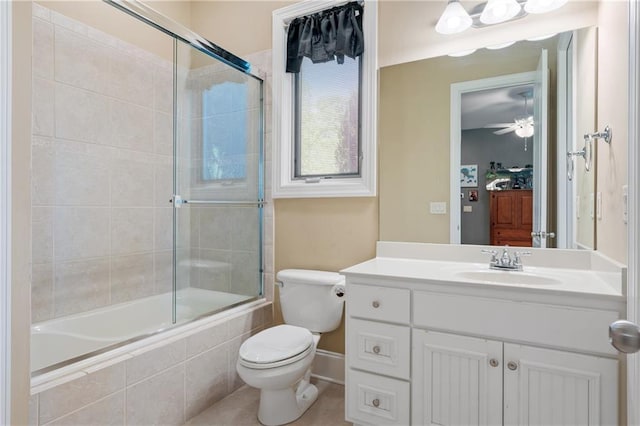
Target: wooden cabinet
x,y
511,217
472,381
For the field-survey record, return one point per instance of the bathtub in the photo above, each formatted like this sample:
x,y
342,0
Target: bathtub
x,y
72,338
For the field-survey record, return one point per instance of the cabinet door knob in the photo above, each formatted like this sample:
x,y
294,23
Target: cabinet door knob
x,y
375,304
376,349
511,365
376,402
494,362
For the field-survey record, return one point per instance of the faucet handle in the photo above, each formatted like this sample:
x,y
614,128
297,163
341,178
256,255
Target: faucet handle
x,y
493,254
518,254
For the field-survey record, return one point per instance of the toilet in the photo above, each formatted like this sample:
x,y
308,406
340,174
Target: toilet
x,y
278,360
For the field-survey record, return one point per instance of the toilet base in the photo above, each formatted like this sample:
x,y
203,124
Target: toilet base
x,y
278,407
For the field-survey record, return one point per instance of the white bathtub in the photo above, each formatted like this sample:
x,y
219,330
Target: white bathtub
x,y
73,336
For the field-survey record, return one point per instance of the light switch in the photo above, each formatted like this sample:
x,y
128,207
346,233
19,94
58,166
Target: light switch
x,y
438,207
467,209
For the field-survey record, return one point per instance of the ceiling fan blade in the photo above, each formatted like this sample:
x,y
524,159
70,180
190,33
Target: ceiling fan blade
x,y
498,125
505,131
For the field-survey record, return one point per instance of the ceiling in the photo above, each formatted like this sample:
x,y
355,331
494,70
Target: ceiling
x,y
495,106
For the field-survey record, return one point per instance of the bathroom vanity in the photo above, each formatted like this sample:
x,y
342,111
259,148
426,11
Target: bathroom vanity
x,y
436,337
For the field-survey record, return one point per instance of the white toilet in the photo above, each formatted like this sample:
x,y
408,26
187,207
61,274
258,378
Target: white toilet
x,y
278,360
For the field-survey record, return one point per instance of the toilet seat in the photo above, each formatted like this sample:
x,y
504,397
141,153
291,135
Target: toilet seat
x,y
276,346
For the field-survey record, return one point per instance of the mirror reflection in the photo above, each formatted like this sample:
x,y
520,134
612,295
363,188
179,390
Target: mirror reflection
x,y
473,148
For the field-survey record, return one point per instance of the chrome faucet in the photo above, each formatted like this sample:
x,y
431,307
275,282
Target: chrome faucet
x,y
506,262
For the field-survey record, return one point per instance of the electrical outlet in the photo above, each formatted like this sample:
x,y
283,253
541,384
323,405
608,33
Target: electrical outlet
x,y
438,207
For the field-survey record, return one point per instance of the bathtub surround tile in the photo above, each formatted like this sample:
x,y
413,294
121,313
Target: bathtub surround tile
x,y
163,133
132,277
42,235
71,396
158,400
245,322
108,411
130,126
216,227
147,364
81,115
131,230
131,179
90,73
41,292
68,23
163,271
212,270
33,410
206,339
42,176
234,381
42,58
41,12
81,286
129,80
163,228
42,118
163,88
80,233
244,274
206,380
163,170
246,229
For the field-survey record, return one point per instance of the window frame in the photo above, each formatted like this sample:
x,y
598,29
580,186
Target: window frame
x,y
285,185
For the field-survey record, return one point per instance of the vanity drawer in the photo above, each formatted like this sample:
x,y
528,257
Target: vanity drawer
x,y
379,303
379,348
376,400
580,329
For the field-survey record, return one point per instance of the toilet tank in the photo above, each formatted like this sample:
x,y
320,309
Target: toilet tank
x,y
311,299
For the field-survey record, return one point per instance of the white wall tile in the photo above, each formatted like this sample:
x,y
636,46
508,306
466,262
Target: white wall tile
x,y
207,339
132,179
71,396
129,78
130,126
41,292
80,232
81,286
108,411
81,115
131,230
206,380
132,277
159,400
33,410
151,362
245,322
42,235
42,119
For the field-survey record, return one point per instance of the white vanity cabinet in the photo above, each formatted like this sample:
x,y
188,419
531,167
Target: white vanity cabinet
x,y
473,381
427,353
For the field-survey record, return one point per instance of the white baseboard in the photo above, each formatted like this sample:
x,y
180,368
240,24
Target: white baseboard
x,y
328,366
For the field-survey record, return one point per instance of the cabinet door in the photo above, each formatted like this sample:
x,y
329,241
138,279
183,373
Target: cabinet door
x,y
547,387
454,381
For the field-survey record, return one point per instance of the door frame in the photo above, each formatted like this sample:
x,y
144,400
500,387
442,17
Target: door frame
x,y
457,90
5,211
633,211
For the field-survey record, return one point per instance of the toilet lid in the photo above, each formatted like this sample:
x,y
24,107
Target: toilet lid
x,y
276,344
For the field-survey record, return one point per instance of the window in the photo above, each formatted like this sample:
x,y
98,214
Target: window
x,y
324,116
224,133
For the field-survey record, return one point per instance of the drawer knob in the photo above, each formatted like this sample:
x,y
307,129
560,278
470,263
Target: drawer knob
x,y
376,402
376,349
375,304
511,365
494,362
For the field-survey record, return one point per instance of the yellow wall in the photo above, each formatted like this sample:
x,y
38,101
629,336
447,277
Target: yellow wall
x,y
20,211
326,234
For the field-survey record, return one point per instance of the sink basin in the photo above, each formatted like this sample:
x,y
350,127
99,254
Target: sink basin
x,y
508,277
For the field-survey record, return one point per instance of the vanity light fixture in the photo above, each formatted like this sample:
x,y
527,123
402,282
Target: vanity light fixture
x,y
454,19
543,6
497,11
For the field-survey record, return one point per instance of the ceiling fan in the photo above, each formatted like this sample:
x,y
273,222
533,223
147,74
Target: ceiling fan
x,y
522,124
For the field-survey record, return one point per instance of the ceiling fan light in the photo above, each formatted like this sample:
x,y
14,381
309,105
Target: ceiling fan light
x,y
454,19
543,6
525,131
497,11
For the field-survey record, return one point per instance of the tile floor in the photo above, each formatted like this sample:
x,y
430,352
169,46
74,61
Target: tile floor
x,y
241,408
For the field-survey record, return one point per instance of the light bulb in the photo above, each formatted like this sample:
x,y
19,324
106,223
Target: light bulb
x,y
525,131
497,11
454,19
543,6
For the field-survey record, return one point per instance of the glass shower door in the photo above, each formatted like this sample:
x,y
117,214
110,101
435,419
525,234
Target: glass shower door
x,y
217,185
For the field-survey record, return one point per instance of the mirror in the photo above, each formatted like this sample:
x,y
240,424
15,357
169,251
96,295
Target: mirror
x,y
424,160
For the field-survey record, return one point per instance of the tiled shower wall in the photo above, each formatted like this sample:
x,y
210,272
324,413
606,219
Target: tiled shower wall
x,y
101,169
102,177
